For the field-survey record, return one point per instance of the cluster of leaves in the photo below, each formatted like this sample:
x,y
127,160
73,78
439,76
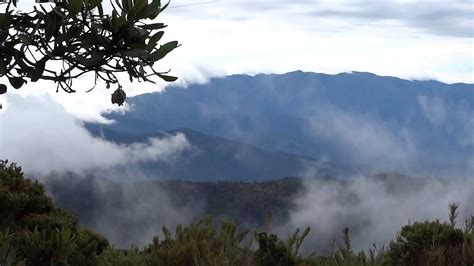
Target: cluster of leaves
x,y
34,232
79,38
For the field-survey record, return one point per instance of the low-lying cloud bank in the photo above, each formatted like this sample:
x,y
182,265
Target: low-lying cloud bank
x,y
440,142
374,208
42,137
127,213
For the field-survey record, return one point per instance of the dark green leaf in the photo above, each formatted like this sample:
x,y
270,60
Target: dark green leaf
x,y
127,5
94,3
5,21
168,78
165,6
36,73
59,13
50,27
154,40
25,39
101,10
93,59
135,52
153,9
75,6
138,5
16,82
3,88
154,26
3,70
3,35
130,70
163,51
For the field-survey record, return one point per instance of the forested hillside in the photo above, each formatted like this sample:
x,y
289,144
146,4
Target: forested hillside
x,y
35,232
247,203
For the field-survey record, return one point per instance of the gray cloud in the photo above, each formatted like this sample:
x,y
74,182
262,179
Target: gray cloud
x,y
448,18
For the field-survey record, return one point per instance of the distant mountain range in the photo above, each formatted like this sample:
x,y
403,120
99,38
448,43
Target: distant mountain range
x,y
216,158
296,124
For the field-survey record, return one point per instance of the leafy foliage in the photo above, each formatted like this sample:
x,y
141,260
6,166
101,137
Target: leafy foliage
x,y
35,232
200,244
20,198
79,37
431,243
272,251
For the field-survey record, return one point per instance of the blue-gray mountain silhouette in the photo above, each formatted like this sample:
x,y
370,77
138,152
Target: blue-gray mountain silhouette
x,y
355,119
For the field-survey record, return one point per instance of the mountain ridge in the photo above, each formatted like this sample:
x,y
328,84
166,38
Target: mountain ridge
x,y
224,159
361,120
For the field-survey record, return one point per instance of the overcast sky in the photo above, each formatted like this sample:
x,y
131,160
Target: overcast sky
x,y
408,39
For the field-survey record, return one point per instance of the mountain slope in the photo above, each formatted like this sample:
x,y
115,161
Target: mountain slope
x,y
358,119
216,158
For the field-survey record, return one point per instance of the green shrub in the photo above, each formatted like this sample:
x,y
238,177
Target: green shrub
x,y
20,198
427,243
199,244
34,232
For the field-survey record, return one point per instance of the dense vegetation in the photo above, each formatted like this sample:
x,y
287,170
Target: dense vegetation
x,y
35,232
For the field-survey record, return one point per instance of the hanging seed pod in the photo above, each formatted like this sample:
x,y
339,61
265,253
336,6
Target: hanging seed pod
x,y
118,97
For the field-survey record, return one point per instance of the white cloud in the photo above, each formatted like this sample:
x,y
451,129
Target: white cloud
x,y
374,209
37,133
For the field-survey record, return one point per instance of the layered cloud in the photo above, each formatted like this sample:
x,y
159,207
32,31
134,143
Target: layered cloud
x,y
442,17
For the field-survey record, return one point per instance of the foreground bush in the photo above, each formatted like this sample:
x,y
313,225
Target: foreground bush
x,y
34,232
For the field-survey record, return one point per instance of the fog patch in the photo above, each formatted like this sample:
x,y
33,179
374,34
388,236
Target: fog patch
x,y
38,134
374,208
456,118
365,139
127,213
140,212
